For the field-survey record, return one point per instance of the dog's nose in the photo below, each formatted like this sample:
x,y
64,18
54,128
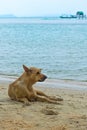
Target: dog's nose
x,y
45,77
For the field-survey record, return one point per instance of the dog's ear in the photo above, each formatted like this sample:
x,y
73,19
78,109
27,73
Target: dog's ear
x,y
25,68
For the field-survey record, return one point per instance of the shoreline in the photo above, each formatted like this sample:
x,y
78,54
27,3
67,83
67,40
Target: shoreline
x,y
50,83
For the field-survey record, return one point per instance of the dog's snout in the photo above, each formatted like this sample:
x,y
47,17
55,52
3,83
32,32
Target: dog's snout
x,y
45,77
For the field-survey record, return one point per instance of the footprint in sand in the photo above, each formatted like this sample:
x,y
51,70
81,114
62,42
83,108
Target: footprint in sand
x,y
49,112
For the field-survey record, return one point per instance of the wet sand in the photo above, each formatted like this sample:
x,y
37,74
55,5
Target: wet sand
x,y
70,115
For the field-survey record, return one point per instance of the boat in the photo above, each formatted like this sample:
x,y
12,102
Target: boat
x,y
68,16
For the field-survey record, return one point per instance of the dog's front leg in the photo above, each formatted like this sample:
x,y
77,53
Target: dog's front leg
x,y
45,99
50,97
41,93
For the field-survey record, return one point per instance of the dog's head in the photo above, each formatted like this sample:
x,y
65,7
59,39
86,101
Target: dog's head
x,y
34,74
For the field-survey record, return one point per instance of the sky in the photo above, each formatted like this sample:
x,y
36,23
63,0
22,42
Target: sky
x,y
42,7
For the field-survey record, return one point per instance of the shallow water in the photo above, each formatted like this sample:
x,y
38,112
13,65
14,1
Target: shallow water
x,y
57,46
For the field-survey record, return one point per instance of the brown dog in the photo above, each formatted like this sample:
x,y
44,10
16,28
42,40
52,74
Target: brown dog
x,y
22,90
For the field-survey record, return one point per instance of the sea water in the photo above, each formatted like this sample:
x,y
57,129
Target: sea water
x,y
58,47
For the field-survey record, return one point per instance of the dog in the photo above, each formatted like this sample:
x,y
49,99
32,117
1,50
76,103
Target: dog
x,y
23,91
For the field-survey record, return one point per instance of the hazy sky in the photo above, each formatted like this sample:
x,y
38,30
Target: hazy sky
x,y
41,7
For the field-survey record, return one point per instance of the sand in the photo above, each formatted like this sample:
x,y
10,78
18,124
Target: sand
x,y
70,115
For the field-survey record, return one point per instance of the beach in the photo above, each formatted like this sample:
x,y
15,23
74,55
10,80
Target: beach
x,y
71,114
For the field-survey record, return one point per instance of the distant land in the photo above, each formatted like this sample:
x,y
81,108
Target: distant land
x,y
7,16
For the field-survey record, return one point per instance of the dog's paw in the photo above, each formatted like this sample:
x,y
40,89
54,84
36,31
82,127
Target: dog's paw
x,y
55,98
56,102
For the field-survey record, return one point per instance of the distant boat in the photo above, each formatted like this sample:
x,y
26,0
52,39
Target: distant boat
x,y
68,16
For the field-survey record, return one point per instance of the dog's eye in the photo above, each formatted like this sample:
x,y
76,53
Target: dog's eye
x,y
38,73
